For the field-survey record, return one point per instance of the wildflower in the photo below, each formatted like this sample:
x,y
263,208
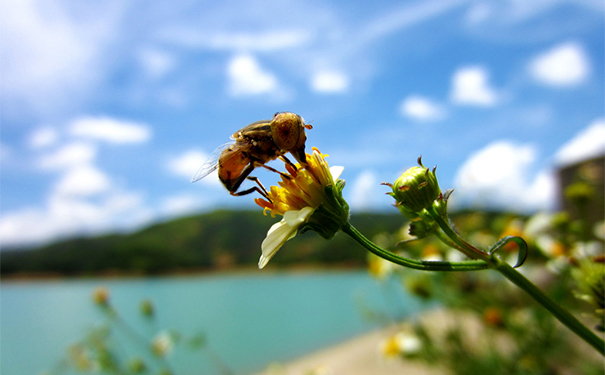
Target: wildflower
x,y
79,356
378,267
402,343
146,308
309,198
493,317
136,365
162,344
416,189
101,296
431,252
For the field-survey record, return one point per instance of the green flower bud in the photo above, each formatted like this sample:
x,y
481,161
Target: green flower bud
x,y
137,366
416,189
146,308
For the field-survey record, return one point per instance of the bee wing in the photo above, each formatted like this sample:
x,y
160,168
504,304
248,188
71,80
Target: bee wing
x,y
211,164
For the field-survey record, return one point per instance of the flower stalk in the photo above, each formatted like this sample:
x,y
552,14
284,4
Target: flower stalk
x,y
310,198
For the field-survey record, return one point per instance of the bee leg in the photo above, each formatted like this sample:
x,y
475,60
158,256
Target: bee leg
x,y
251,190
286,176
287,161
262,189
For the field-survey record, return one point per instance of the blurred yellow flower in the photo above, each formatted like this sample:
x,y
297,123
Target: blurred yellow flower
x,y
401,344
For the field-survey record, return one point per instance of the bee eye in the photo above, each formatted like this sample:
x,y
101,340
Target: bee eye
x,y
276,113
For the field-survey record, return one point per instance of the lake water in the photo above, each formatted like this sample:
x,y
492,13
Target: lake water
x,y
250,320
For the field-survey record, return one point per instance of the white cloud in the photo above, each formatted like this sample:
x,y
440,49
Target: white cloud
x,y
363,191
43,137
188,163
69,156
182,204
405,17
470,85
588,143
329,82
563,65
264,41
83,181
156,63
422,109
499,176
246,77
110,130
51,57
65,216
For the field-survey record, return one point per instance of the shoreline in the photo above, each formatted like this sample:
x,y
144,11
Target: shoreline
x,y
359,355
233,271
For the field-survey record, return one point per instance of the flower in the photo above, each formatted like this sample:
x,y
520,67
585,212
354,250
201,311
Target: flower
x,y
162,344
403,343
307,198
416,189
379,267
101,296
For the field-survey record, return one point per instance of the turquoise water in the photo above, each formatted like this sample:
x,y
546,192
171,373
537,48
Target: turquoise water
x,y
250,320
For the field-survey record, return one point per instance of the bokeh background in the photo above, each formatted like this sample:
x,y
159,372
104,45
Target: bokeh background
x,y
108,108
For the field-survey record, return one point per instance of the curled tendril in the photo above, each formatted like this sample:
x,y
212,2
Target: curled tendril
x,y
521,244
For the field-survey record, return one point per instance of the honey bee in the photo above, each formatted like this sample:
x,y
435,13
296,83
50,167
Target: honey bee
x,y
254,146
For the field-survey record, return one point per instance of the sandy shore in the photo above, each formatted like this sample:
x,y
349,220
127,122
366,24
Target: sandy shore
x,y
362,355
358,356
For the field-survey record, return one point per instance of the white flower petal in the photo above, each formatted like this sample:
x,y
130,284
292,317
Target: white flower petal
x,y
281,232
295,218
276,237
336,171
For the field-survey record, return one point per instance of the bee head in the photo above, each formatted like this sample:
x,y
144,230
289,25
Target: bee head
x,y
288,132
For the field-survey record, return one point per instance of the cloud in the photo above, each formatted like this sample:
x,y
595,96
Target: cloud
x,y
110,130
363,191
564,65
84,180
264,41
329,82
188,163
404,17
182,204
68,156
421,109
246,77
67,215
498,176
470,86
156,63
587,144
43,137
50,57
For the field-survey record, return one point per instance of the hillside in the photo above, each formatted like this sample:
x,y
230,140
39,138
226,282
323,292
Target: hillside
x,y
219,239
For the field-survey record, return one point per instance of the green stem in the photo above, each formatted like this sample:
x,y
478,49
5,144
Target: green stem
x,y
411,263
559,312
468,249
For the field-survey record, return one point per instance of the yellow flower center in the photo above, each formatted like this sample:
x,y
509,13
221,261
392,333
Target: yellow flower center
x,y
301,187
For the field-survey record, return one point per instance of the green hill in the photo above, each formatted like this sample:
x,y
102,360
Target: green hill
x,y
219,239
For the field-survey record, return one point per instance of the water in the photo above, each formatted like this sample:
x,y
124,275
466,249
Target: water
x,y
250,320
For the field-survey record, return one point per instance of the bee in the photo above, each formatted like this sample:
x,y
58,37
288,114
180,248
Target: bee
x,y
254,146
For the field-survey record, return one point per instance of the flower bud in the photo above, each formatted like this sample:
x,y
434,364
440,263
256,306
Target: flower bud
x,y
416,189
146,308
101,296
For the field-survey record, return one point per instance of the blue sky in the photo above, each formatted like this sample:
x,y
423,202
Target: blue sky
x,y
108,108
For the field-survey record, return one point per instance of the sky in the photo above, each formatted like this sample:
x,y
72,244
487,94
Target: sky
x,y
108,108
